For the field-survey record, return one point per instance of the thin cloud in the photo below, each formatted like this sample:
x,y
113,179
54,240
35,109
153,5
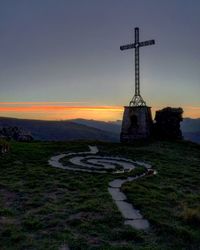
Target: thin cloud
x,y
45,108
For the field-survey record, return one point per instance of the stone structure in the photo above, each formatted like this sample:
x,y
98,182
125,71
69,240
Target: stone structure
x,y
137,123
137,119
167,123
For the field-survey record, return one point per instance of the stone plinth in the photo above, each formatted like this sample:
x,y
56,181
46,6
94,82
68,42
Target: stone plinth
x,y
136,124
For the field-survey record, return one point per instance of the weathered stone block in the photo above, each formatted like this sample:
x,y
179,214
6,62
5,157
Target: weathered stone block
x,y
167,123
136,124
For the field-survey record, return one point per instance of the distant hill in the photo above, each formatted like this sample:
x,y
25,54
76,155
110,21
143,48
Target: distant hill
x,y
114,127
87,129
190,136
190,127
59,130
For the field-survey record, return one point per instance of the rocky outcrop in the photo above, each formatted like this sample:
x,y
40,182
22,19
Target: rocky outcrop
x,y
167,123
15,133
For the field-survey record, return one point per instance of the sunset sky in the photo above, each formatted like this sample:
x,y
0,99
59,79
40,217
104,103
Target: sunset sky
x,y
60,59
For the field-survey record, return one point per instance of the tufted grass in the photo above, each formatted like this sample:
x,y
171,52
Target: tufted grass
x,y
46,208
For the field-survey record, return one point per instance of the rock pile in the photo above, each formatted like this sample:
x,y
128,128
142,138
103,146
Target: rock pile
x,y
167,123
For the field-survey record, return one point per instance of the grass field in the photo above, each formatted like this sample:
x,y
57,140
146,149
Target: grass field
x,y
46,208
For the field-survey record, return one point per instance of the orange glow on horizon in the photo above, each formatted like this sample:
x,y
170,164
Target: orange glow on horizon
x,y
57,108
64,111
59,111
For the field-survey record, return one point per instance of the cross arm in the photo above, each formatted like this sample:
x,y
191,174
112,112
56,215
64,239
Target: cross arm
x,y
135,45
127,46
146,43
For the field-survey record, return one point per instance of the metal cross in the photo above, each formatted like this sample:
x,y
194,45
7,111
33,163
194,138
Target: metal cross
x,y
137,100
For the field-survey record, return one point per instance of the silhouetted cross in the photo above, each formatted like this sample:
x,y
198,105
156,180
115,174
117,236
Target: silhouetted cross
x,y
137,99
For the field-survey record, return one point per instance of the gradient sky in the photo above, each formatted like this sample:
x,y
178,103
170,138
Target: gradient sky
x,y
60,59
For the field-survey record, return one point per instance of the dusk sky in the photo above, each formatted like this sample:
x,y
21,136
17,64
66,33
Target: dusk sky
x,y
60,59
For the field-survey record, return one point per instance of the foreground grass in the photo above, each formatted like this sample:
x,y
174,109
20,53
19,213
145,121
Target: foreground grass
x,y
46,208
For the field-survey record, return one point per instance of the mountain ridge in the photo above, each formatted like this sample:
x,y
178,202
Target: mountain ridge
x,y
58,130
88,129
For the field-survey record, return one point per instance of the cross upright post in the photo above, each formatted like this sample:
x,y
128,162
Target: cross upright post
x,y
137,63
137,99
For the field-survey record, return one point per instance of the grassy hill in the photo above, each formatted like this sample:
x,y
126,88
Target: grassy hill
x,y
46,208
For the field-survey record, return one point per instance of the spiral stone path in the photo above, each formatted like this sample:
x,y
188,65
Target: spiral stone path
x,y
92,163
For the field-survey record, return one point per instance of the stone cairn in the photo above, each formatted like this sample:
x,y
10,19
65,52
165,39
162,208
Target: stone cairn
x,y
167,123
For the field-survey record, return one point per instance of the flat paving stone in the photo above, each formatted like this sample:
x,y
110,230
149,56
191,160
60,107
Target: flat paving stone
x,y
128,211
146,165
140,224
54,161
93,150
116,194
117,183
77,161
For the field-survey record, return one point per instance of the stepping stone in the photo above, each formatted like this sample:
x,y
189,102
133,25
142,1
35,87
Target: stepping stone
x,y
140,224
117,183
54,161
146,165
132,178
93,150
128,211
116,194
